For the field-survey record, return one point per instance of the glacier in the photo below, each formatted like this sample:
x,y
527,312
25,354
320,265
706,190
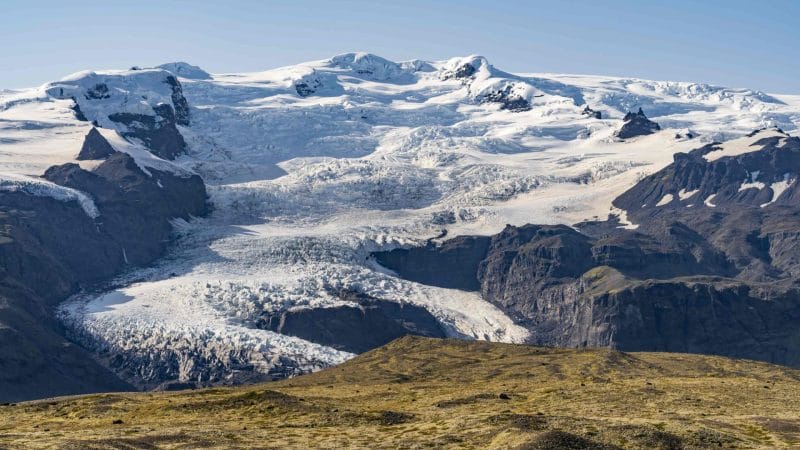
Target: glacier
x,y
311,168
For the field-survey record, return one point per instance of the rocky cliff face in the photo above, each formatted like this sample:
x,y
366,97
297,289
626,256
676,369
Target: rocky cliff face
x,y
453,264
50,248
709,266
362,325
136,206
157,132
47,249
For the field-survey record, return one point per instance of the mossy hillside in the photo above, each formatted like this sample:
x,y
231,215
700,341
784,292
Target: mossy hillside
x,y
418,392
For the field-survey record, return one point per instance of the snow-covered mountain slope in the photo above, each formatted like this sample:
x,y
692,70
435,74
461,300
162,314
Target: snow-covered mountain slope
x,y
310,168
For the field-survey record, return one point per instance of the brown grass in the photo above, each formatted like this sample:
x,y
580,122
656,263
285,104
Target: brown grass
x,y
427,393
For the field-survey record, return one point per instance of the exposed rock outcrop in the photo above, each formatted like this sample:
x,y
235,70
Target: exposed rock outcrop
x,y
135,207
636,124
159,133
368,324
765,177
508,99
48,249
460,72
304,88
95,146
453,264
589,112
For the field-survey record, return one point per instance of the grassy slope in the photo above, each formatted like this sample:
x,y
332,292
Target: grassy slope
x,y
419,392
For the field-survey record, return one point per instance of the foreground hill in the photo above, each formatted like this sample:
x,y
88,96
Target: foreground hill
x,y
420,392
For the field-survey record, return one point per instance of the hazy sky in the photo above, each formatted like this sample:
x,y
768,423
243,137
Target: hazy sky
x,y
738,43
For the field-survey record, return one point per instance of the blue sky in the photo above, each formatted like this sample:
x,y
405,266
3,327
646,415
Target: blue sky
x,y
736,43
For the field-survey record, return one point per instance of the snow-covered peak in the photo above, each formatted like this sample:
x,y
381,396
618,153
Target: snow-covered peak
x,y
417,65
101,95
368,66
186,70
486,84
82,76
474,66
739,98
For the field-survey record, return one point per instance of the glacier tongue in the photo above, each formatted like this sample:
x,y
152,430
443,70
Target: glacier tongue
x,y
312,167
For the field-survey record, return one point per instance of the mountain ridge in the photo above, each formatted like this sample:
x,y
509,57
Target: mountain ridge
x,y
311,169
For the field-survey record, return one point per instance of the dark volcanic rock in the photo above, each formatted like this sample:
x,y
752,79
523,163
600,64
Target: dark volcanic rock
x,y
135,207
731,180
507,99
698,316
158,133
636,124
464,71
49,249
356,329
179,101
453,264
36,360
95,146
76,109
589,112
304,88
98,92
530,259
461,72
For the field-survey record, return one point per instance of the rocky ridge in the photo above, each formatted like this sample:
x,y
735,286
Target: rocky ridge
x,y
681,274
